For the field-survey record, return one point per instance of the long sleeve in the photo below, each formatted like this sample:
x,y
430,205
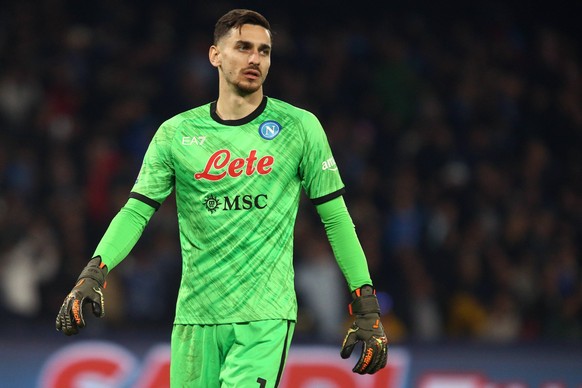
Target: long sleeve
x,y
123,232
344,242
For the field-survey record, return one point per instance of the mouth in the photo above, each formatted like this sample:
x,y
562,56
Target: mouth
x,y
252,74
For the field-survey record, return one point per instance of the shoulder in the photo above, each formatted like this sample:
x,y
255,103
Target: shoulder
x,y
288,109
170,125
200,112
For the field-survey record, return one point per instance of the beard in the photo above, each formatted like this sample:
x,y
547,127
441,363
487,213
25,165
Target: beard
x,y
242,85
244,88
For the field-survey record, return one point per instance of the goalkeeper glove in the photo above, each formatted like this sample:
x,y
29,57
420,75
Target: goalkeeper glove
x,y
368,329
87,290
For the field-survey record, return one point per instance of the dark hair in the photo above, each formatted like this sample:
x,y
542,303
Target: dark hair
x,y
235,19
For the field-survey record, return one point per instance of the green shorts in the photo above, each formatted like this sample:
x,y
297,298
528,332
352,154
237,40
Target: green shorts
x,y
241,355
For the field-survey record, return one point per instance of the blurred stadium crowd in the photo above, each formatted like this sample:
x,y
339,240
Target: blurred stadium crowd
x,y
458,136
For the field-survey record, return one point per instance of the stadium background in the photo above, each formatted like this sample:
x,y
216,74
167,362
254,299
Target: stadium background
x,y
457,129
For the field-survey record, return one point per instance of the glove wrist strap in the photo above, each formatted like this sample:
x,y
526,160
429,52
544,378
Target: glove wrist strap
x,y
95,270
365,301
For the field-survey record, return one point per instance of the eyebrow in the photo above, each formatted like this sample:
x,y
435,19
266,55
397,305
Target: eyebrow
x,y
262,46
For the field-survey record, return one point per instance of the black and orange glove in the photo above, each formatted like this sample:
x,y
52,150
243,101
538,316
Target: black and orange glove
x,y
368,329
88,289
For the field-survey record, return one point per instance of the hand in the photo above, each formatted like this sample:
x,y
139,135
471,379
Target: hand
x,y
368,329
87,290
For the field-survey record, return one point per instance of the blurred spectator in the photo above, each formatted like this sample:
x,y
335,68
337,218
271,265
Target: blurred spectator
x,y
32,261
503,322
318,283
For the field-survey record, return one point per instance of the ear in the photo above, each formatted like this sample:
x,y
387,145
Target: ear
x,y
214,56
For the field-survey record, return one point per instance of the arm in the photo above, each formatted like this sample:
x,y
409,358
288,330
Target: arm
x,y
121,236
154,183
324,187
349,254
344,242
123,233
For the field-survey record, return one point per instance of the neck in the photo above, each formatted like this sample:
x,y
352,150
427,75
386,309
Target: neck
x,y
232,106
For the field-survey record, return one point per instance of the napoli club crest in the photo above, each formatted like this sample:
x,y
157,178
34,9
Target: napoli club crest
x,y
269,129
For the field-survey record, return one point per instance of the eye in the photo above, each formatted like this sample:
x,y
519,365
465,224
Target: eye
x,y
243,47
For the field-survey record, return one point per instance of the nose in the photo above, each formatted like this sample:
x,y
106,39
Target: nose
x,y
254,57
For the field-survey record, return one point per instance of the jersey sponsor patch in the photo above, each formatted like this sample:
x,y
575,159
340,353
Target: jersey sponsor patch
x,y
329,165
222,164
212,203
235,202
269,129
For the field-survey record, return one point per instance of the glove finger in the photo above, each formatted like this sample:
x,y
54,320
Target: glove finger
x,y
77,312
383,358
380,355
97,303
349,343
96,308
365,359
59,320
67,324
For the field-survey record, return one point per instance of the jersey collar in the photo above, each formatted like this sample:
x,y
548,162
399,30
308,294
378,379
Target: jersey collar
x,y
247,119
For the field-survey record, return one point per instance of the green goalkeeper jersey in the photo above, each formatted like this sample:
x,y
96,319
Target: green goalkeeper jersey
x,y
238,184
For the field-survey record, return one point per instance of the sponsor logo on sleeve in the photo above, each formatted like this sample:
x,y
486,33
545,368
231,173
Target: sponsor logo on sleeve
x,y
329,165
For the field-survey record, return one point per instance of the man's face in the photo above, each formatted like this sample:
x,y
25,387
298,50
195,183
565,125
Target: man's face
x,y
244,57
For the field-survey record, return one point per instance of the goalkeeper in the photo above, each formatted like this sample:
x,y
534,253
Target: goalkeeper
x,y
237,165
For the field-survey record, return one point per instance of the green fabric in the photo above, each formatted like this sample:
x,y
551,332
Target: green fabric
x,y
237,186
344,242
230,355
123,232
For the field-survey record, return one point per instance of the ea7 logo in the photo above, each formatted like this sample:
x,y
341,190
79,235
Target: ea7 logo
x,y
193,140
329,164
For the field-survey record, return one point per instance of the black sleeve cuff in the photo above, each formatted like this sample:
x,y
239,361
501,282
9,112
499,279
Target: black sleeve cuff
x,y
148,201
328,197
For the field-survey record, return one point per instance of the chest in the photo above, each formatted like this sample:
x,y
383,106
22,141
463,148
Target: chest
x,y
209,155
